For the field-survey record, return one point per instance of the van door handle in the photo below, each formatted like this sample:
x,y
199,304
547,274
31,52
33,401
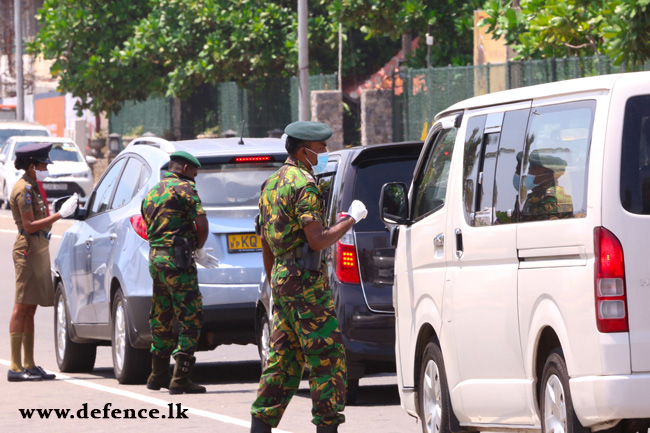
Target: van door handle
x,y
439,241
459,243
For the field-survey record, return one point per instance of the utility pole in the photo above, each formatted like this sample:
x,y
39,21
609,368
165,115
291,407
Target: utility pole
x,y
18,40
303,62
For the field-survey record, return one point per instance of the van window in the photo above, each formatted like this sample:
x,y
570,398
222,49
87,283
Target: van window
x,y
635,156
554,168
506,182
431,188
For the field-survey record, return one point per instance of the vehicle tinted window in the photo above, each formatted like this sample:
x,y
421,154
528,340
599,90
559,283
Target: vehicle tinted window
x,y
6,133
105,189
126,187
635,156
370,177
230,185
506,182
431,188
554,169
471,164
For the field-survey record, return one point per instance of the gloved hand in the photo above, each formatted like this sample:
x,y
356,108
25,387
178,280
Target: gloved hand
x,y
69,206
358,210
204,259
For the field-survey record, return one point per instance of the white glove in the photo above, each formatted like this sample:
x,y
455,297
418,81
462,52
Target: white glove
x,y
357,211
69,206
204,259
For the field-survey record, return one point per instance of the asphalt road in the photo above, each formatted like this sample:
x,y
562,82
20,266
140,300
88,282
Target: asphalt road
x,y
230,374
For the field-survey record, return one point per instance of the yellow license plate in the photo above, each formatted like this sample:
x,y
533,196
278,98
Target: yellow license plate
x,y
244,242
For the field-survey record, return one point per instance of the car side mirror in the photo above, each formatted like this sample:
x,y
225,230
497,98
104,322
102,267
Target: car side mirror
x,y
3,158
56,206
393,203
91,160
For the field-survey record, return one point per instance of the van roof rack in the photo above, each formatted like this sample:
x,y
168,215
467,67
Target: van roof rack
x,y
161,143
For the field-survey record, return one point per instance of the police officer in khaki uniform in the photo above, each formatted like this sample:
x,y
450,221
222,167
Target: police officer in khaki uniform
x,y
31,257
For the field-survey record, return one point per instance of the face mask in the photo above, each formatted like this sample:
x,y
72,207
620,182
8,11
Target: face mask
x,y
323,159
515,181
41,175
530,182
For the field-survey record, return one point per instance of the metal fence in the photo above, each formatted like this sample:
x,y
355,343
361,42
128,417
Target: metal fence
x,y
262,107
426,92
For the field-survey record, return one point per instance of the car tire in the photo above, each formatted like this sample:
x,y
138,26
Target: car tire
x,y
433,401
71,357
352,392
556,405
263,338
130,365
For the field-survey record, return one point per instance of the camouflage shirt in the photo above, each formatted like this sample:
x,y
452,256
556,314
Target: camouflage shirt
x,y
289,200
547,204
170,208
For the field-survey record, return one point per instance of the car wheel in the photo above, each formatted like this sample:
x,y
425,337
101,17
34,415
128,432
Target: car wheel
x,y
130,365
264,338
70,356
352,393
556,406
434,407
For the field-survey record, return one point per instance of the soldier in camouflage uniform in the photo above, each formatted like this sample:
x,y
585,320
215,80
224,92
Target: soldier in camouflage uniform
x,y
170,210
546,199
305,327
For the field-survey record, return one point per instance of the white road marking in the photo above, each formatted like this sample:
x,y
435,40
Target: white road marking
x,y
14,232
151,400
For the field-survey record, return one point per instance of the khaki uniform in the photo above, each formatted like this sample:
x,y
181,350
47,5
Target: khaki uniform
x,y
31,253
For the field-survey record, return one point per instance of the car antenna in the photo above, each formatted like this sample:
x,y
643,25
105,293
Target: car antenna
x,y
241,136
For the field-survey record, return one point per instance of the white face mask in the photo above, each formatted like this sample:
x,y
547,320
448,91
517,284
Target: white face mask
x,y
41,175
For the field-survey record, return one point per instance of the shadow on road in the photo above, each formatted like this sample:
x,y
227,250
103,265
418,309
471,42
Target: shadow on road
x,y
371,395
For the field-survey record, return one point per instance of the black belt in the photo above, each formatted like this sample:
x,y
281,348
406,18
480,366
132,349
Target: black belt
x,y
46,235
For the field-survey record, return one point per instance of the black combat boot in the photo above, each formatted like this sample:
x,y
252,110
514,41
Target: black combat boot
x,y
259,426
181,382
159,377
327,428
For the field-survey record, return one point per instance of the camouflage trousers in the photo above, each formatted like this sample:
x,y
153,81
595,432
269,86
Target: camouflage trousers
x,y
176,296
305,331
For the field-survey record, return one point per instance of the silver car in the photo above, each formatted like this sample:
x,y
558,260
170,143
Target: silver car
x,y
103,287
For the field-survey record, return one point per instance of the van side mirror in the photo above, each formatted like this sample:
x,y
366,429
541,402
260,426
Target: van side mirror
x,y
393,203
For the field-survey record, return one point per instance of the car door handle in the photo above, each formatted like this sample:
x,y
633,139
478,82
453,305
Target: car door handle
x,y
112,237
89,242
439,241
459,243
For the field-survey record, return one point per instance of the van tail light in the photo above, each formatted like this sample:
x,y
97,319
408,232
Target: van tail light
x,y
347,265
609,268
138,224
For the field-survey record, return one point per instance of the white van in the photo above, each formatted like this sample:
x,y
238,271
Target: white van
x,y
522,268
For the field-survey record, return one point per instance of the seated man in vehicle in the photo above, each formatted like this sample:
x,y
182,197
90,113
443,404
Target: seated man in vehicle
x,y
546,200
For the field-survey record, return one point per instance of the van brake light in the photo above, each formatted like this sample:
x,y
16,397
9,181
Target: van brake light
x,y
609,279
138,224
347,265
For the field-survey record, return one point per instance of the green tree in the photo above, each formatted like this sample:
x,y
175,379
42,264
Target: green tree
x,y
563,28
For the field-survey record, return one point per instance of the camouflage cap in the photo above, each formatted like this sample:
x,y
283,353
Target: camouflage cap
x,y
185,157
538,159
308,130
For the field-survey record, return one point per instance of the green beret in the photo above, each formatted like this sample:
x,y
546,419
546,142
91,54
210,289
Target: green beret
x,y
185,157
308,130
547,161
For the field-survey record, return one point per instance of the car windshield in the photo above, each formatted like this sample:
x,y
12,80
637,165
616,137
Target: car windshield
x,y
230,185
65,152
6,133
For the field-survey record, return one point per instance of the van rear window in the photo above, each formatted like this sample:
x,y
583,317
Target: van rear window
x,y
635,156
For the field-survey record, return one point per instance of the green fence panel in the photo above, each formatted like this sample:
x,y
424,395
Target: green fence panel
x,y
154,115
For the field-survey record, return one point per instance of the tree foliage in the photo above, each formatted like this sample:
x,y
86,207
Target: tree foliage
x,y
109,52
561,28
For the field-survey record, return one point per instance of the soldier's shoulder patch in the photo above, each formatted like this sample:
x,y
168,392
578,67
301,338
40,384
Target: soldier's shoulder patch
x,y
28,198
